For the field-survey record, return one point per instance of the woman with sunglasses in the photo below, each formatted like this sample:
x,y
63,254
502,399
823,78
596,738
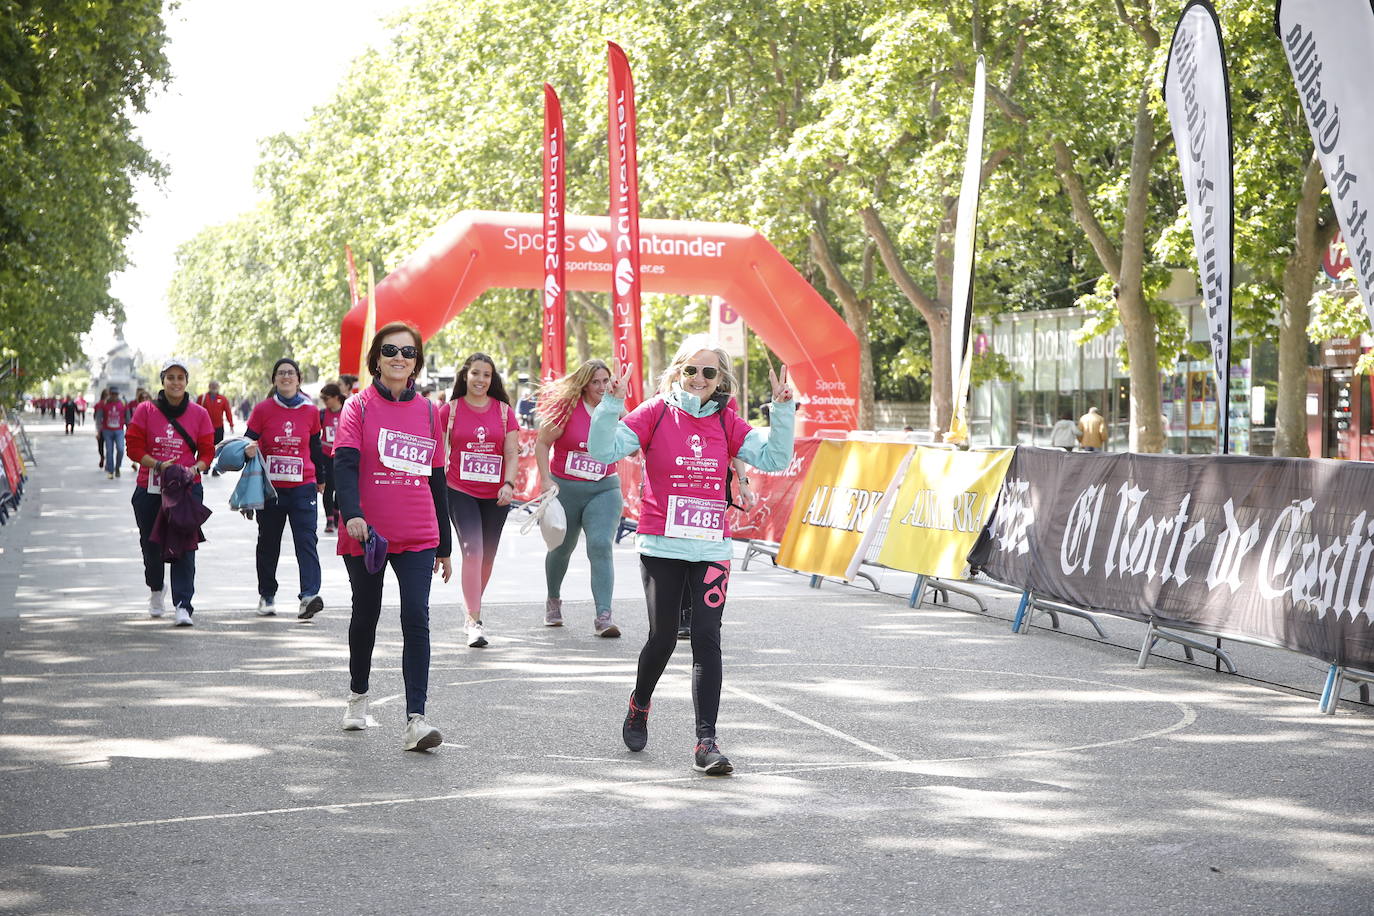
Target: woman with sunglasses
x,y
588,490
689,437
483,437
285,428
389,462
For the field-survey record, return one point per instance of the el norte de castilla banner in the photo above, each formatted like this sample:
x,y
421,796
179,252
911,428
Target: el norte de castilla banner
x,y
1276,549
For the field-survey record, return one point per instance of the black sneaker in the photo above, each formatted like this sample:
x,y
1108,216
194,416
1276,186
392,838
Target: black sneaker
x,y
636,730
710,760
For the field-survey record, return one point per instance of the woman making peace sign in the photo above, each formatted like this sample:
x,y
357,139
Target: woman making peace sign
x,y
689,437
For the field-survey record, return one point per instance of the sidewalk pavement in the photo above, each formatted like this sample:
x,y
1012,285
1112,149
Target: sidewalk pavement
x,y
889,760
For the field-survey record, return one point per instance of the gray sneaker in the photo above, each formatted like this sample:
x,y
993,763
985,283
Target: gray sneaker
x,y
553,612
604,626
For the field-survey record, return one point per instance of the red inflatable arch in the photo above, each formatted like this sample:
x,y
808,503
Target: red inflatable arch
x,y
479,250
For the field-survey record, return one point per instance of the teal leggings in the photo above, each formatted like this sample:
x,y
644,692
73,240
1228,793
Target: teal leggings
x,y
592,506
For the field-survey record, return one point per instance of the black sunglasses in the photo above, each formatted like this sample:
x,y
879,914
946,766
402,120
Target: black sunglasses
x,y
390,350
708,372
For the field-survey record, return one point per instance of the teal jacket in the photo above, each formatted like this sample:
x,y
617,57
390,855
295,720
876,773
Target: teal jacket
x,y
769,449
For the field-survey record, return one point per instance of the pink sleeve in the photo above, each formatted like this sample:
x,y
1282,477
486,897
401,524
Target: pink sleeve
x,y
349,433
641,419
255,418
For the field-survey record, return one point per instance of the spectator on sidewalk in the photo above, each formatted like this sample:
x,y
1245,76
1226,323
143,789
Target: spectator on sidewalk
x,y
1065,433
1094,436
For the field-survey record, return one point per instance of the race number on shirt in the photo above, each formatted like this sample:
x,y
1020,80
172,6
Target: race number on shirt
x,y
154,482
694,517
580,464
285,468
329,435
404,452
479,467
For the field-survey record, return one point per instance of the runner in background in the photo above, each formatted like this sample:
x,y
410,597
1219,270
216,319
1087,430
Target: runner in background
x,y
69,415
588,490
98,421
170,430
286,428
333,398
81,410
483,437
219,409
113,419
390,462
688,436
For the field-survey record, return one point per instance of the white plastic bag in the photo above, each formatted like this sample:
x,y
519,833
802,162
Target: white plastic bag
x,y
548,512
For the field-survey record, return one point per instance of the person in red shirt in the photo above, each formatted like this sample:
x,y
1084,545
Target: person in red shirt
x,y
333,397
217,406
114,415
285,428
166,431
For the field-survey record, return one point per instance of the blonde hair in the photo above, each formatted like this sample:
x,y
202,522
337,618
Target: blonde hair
x,y
558,398
725,382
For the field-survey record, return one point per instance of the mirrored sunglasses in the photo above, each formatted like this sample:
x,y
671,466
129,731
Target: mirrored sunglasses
x,y
708,372
390,350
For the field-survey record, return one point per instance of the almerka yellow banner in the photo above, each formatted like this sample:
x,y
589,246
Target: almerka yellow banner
x,y
845,493
940,510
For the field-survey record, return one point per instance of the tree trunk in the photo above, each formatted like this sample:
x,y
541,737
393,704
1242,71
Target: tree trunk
x,y
579,329
856,314
1137,321
1309,238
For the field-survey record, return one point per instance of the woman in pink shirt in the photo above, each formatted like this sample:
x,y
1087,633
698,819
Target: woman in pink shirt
x,y
114,416
333,398
588,490
170,430
389,457
285,428
483,440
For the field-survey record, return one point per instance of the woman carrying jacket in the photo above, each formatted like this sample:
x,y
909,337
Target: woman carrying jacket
x,y
285,428
689,437
156,442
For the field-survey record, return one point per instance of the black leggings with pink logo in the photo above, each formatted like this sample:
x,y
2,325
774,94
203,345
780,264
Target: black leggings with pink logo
x,y
664,581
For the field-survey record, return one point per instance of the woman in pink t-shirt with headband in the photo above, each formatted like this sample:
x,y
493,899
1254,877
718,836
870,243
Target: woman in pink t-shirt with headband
x,y
483,441
689,437
286,429
389,466
588,490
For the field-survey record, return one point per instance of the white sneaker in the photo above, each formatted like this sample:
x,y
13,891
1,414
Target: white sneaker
x,y
267,607
355,716
184,618
476,637
310,607
156,606
420,735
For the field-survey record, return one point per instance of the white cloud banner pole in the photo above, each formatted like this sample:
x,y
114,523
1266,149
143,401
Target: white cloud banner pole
x,y
1197,93
961,302
1330,49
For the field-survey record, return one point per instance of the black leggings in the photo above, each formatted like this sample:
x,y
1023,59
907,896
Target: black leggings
x,y
664,581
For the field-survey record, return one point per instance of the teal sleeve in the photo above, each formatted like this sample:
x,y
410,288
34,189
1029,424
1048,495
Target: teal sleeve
x,y
771,449
609,439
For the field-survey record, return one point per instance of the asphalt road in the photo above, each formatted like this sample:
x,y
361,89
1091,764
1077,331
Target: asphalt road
x,y
889,760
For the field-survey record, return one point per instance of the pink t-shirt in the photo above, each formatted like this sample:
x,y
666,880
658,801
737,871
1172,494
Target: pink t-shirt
x,y
329,428
476,445
112,415
686,459
161,439
568,458
284,440
398,444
